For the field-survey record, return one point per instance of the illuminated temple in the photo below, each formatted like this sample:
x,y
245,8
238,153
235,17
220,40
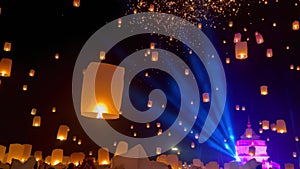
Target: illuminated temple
x,y
250,146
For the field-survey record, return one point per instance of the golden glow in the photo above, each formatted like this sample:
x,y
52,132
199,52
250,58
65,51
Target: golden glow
x,y
7,47
149,104
61,138
295,26
264,90
56,56
205,97
104,162
56,162
31,72
76,3
154,57
102,55
100,109
25,87
296,138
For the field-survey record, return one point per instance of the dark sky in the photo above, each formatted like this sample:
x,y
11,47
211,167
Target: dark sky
x,y
38,30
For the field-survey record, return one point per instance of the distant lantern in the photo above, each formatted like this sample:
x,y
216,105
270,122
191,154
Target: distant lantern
x,y
192,145
31,72
237,107
103,156
154,56
260,130
158,150
159,132
2,153
5,67
237,37
252,151
152,45
131,126
205,97
269,53
62,133
79,142
180,123
243,108
147,125
186,71
295,25
241,50
90,153
53,109
289,166
76,3
281,127
77,158
227,60
298,68
74,138
158,125
249,133
196,136
296,138
24,87
264,90
56,56
57,156
7,46
265,124
151,7
149,104
230,24
102,55
292,67
259,38
273,127
38,155
134,134
199,25
36,122
294,154
101,93
33,111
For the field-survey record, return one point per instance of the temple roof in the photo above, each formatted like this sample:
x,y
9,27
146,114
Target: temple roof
x,y
249,133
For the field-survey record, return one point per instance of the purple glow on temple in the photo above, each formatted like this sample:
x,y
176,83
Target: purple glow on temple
x,y
250,146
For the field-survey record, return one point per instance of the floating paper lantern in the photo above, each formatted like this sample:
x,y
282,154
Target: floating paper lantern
x,y
269,53
243,108
230,24
57,156
180,123
298,68
252,151
154,56
102,92
147,125
102,55
205,97
7,46
186,71
149,104
158,150
26,152
259,38
151,7
273,127
2,153
79,142
48,160
31,72
159,132
103,156
192,145
131,126
90,153
122,147
227,60
33,111
158,125
74,138
294,154
199,25
152,45
281,127
196,136
53,109
249,133
56,56
38,155
297,138
265,124
264,90
24,87
260,130
237,107
77,158
288,166
237,37
76,3
295,26
36,122
134,134
15,152
62,133
291,66
5,67
241,50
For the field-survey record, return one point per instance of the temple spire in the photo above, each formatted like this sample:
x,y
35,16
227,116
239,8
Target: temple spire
x,y
249,124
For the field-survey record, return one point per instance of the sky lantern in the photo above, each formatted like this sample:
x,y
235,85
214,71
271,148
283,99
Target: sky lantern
x,y
31,72
151,8
53,109
159,132
57,156
249,133
281,127
158,125
295,154
2,152
158,150
243,108
102,55
273,127
152,45
295,25
149,104
265,124
237,37
5,67
241,50
288,166
102,92
147,125
187,71
154,57
79,142
131,126
205,97
269,53
103,156
292,66
261,130
192,144
199,25
227,60
296,138
237,107
122,148
252,151
15,151
48,160
38,155
76,3
264,90
62,133
259,38
77,158
36,122
33,111
24,87
7,46
56,56
74,138
230,24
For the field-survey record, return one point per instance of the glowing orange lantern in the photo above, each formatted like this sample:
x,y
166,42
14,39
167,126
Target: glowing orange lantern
x,y
186,71
269,53
152,45
281,127
77,157
33,111
273,127
147,125
296,138
149,104
158,150
154,56
7,46
57,156
295,26
259,38
151,8
5,67
241,50
56,56
230,24
76,3
79,142
294,154
227,60
205,97
291,66
199,25
192,145
36,121
249,133
103,156
38,155
122,147
102,55
237,107
264,90
265,124
74,138
237,37
53,109
158,124
2,153
25,87
31,72
62,133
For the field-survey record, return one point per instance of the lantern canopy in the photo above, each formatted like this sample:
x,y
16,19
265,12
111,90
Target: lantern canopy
x,y
36,122
241,50
281,126
5,67
62,133
57,156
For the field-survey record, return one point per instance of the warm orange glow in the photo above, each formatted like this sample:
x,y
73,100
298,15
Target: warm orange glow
x,y
269,53
291,66
227,60
237,37
264,90
36,121
104,162
199,26
152,45
241,50
100,109
7,46
56,56
147,125
25,87
296,138
192,145
102,55
265,124
5,67
237,107
230,24
159,132
33,111
295,26
205,97
151,8
31,72
154,56
158,125
76,3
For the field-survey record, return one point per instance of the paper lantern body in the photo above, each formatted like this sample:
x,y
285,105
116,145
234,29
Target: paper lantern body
x,y
5,67
62,133
264,90
77,157
76,3
2,153
102,91
57,156
7,46
269,53
259,38
265,124
205,97
237,37
103,156
36,122
295,26
281,126
241,50
38,155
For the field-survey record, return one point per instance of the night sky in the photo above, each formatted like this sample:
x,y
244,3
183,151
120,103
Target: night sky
x,y
38,30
